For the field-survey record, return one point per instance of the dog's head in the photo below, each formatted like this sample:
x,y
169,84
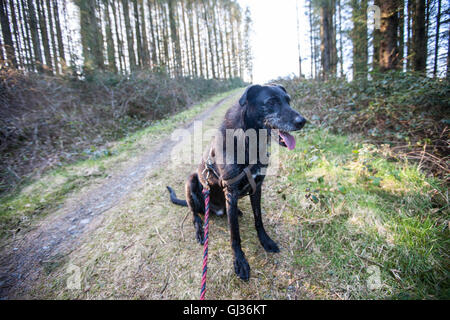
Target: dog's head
x,y
268,107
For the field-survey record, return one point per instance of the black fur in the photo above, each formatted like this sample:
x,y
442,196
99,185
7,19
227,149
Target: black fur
x,y
260,107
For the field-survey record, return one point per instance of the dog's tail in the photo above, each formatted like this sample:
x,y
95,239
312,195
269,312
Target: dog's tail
x,y
175,200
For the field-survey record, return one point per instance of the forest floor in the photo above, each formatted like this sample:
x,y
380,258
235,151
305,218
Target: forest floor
x,y
350,223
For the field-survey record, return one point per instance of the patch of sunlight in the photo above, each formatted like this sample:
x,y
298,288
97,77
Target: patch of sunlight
x,y
367,220
392,185
45,184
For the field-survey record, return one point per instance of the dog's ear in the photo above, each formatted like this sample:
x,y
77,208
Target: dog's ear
x,y
278,85
249,94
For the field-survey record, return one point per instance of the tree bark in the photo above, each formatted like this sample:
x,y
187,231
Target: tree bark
x,y
175,37
152,33
401,33
145,48
210,42
7,36
419,37
129,35
389,34
137,31
326,21
52,36
109,39
186,41
18,46
28,54
436,41
118,30
199,43
359,38
44,36
59,38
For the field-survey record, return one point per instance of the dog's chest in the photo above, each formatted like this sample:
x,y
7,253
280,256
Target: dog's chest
x,y
245,186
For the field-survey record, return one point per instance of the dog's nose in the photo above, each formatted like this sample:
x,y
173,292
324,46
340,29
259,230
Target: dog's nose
x,y
299,122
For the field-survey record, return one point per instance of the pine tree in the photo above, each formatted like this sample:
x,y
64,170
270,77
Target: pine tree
x,y
389,35
7,36
419,37
359,38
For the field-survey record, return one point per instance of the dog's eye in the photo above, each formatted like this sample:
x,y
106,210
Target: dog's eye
x,y
272,101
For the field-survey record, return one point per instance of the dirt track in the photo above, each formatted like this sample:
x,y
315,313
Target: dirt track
x,y
25,258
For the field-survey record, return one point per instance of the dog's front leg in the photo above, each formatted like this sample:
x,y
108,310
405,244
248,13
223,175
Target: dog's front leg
x,y
241,266
268,244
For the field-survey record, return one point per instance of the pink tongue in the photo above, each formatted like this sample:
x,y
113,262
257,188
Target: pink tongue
x,y
288,140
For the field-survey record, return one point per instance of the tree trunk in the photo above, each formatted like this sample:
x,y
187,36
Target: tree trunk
x,y
199,44
34,35
401,33
62,59
376,43
210,42
52,36
436,41
152,33
29,64
166,38
389,32
109,39
175,37
145,48
311,33
118,29
341,45
18,46
326,37
448,52
214,24
419,37
137,31
44,36
359,38
247,46
186,41
192,38
6,32
129,35
228,40
222,45
91,36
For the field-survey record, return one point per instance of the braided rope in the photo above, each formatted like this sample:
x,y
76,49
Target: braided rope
x,y
205,245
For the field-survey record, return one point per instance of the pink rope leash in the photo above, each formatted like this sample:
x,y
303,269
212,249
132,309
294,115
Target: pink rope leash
x,y
205,245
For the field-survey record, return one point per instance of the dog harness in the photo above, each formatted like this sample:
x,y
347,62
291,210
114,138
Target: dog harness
x,y
209,167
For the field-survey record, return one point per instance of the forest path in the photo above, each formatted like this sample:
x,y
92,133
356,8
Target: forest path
x,y
38,251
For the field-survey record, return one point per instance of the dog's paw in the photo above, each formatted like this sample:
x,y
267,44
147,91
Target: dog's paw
x,y
200,238
269,245
242,268
199,233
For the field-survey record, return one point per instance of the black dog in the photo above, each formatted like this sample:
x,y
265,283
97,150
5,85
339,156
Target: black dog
x,y
260,108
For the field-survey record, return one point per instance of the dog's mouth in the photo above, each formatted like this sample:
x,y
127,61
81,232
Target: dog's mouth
x,y
286,140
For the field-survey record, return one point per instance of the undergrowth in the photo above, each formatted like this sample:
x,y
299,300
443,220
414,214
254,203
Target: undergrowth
x,y
408,112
